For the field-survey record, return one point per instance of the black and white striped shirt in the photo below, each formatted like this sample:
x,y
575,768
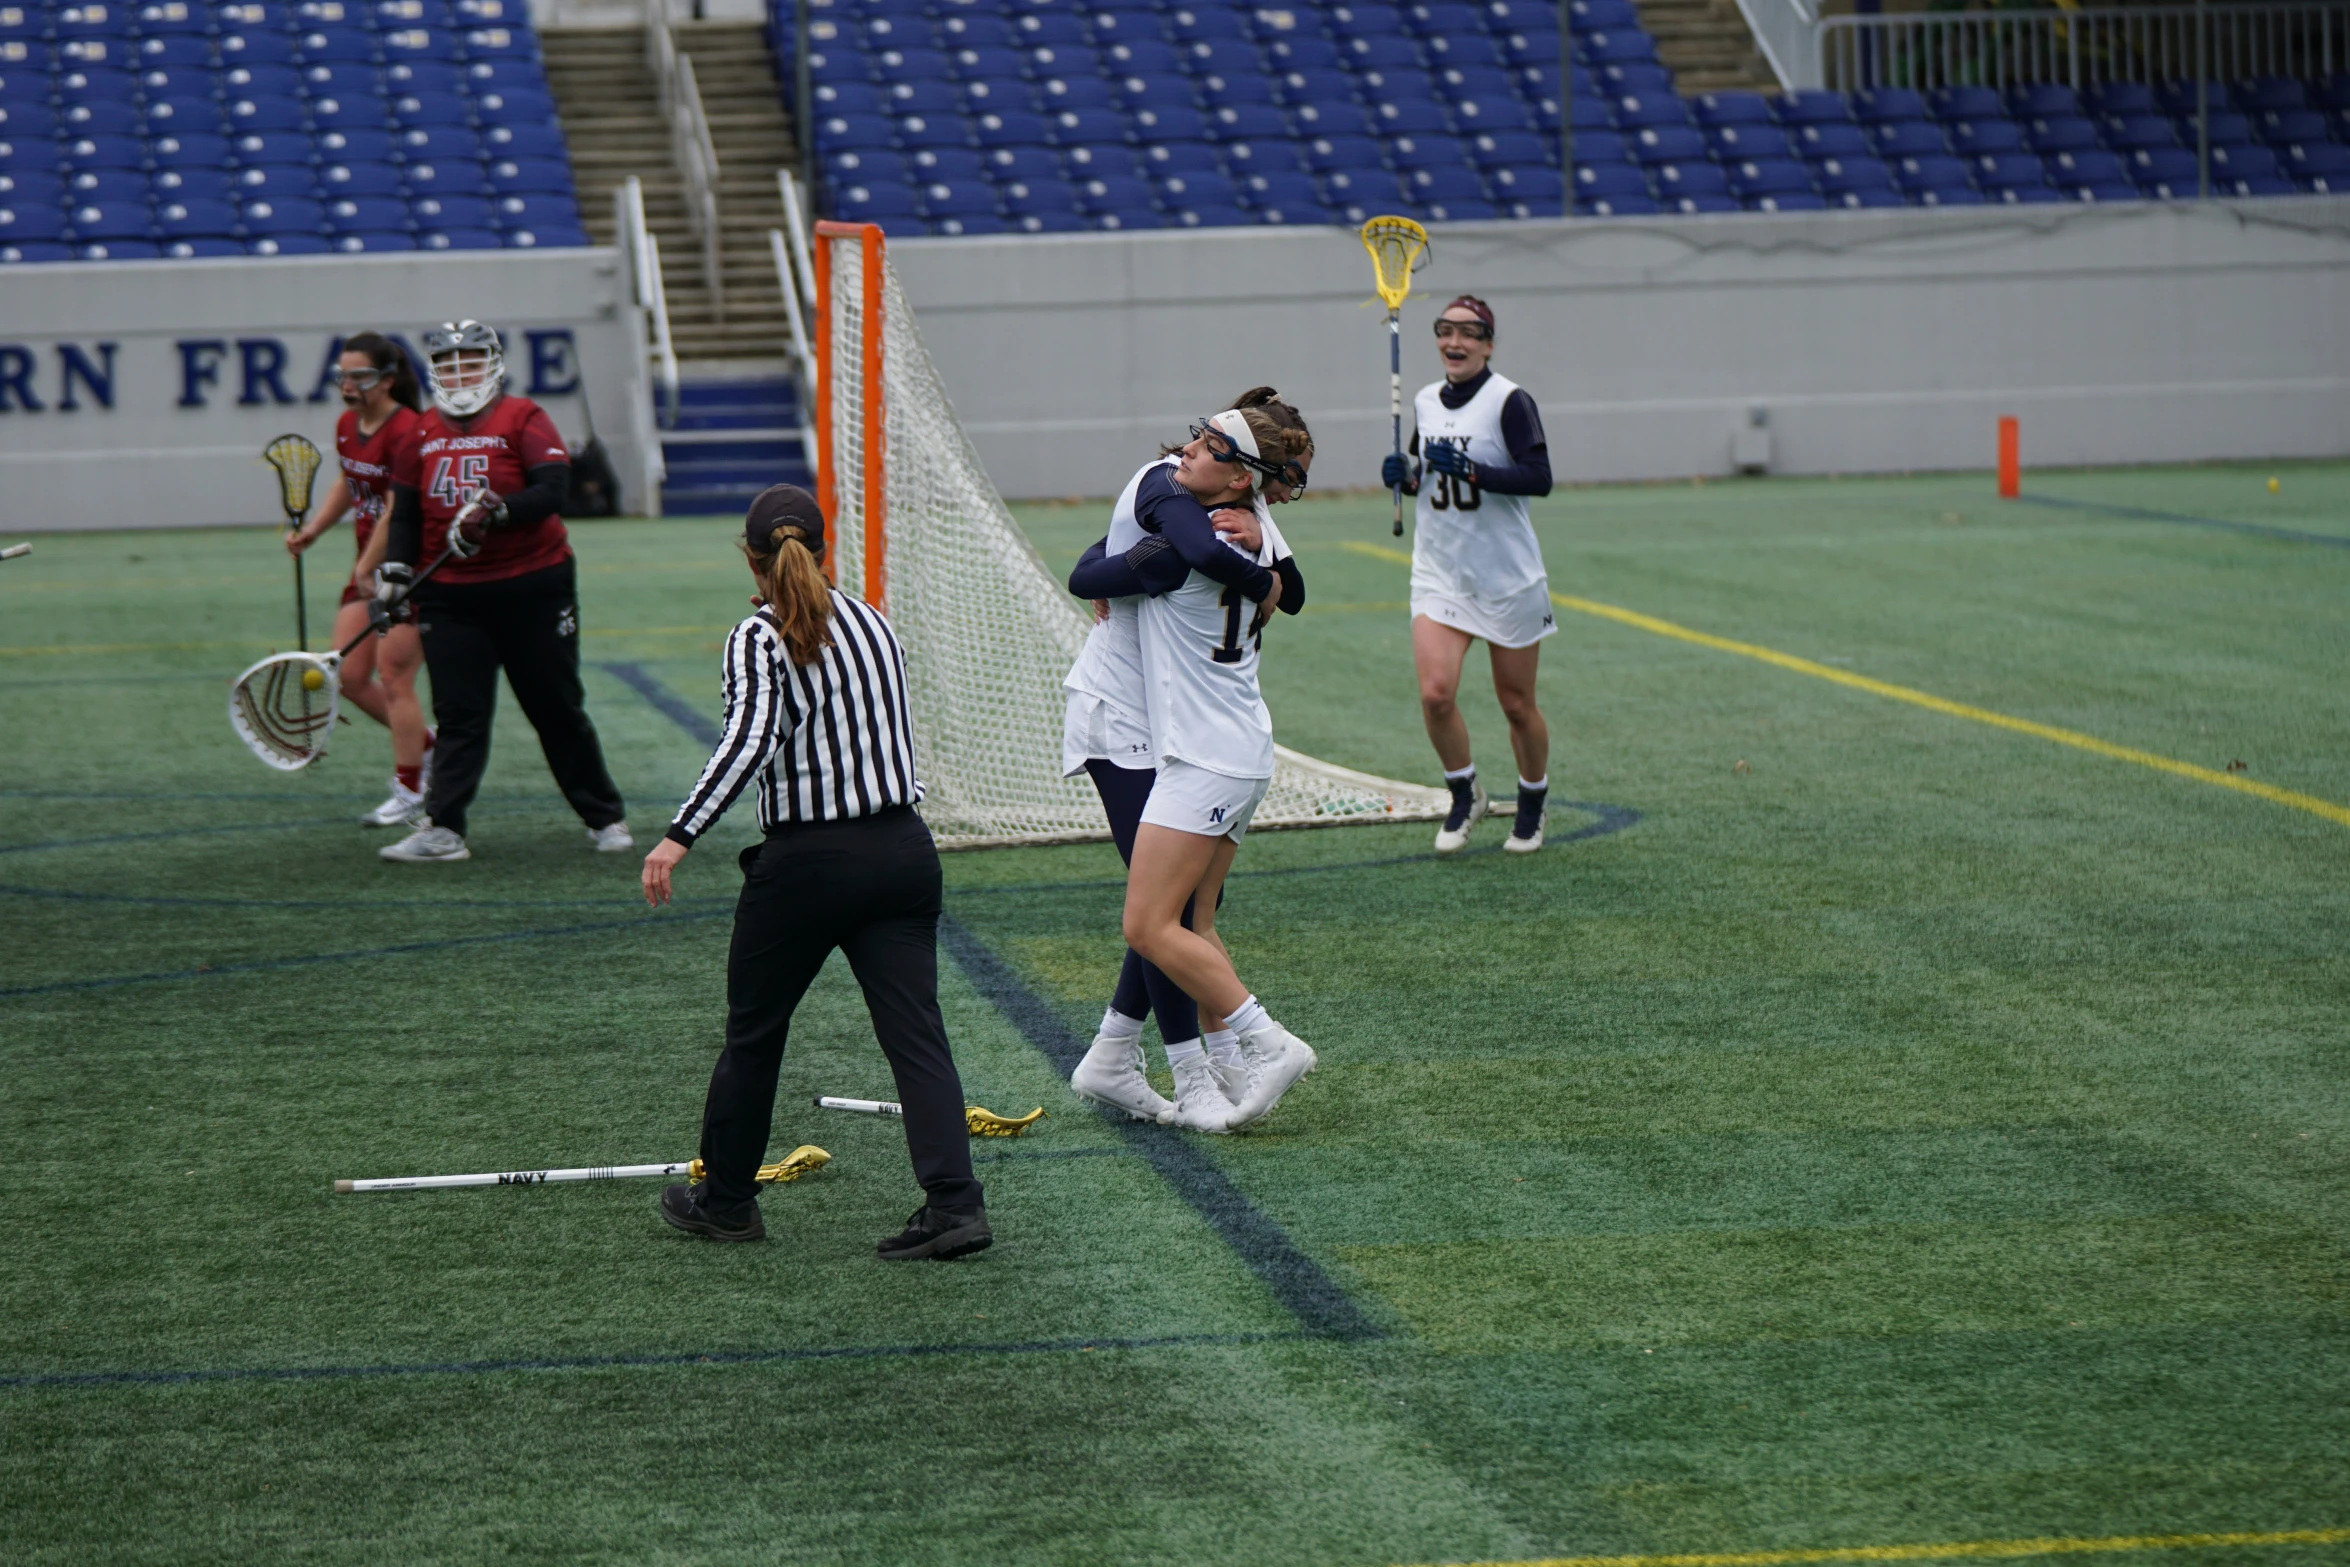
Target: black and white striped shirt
x,y
827,741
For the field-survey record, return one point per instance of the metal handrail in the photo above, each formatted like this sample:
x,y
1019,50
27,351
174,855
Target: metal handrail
x,y
2084,45
786,276
796,267
643,249
1787,34
690,147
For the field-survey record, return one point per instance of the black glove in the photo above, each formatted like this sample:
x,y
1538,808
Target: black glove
x,y
1396,472
389,607
1446,457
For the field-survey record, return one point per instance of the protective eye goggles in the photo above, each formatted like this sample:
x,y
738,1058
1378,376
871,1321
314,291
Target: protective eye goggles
x,y
1223,448
1474,331
362,380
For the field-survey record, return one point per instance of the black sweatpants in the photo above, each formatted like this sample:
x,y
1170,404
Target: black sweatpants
x,y
529,627
871,887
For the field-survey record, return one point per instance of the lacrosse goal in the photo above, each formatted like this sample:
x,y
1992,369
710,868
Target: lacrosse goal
x,y
920,533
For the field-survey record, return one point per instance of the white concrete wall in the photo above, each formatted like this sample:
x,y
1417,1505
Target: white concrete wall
x,y
1873,341
174,435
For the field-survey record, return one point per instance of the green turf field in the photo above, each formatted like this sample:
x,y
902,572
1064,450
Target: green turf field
x,y
1879,1128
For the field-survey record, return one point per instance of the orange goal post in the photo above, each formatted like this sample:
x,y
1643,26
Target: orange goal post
x,y
920,533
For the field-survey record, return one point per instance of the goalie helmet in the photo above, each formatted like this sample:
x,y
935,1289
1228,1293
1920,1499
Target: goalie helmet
x,y
468,367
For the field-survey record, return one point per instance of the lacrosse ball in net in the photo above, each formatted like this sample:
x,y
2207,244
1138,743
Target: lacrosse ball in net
x,y
313,680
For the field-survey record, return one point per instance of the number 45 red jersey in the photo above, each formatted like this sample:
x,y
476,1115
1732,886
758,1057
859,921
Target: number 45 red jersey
x,y
497,447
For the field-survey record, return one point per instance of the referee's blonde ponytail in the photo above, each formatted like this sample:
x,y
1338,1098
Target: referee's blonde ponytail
x,y
798,597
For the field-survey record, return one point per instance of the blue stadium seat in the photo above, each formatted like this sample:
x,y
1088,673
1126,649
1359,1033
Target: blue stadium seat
x,y
927,97
1368,185
1584,16
2177,98
1490,114
271,181
109,220
1832,139
1117,193
542,213
1128,219
1361,18
329,79
1086,127
1626,205
1631,77
1716,109
1516,149
1747,139
1471,51
1599,147
1054,29
1382,52
273,147
978,30
201,246
254,15
1411,117
855,130
1065,60
284,215
1195,190
864,165
1844,175
2129,132
1635,110
34,251
877,203
200,116
1621,45
1445,185
1243,122
529,176
1013,128
2256,185
524,141
94,84
1920,175
255,48
361,179
366,214
89,119
173,51
489,43
256,81
1288,192
1213,217
848,98
1608,181
169,184
100,152
2283,127
107,186
1029,164
1911,139
1223,90
1951,104
2260,95
1870,196
184,149
451,213
1221,57
25,224
1160,159
436,142
411,110
936,130
357,113
1263,157
1304,51
1812,106
2086,166
1952,196
1425,152
1335,119
514,106
370,242
446,76
1994,171
2228,129
453,176
1887,105
1113,161
1977,137
2306,161
959,200
30,188
1668,144
265,114
1152,57
2066,133
1674,180
1787,201
289,244
1439,18
2112,98
315,48
1324,153
1030,198
1753,177
118,250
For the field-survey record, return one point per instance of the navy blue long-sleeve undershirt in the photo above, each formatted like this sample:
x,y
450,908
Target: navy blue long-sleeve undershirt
x,y
1528,470
1181,539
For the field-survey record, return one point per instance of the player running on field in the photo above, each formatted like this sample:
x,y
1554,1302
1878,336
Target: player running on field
x,y
1208,735
1106,733
380,416
1476,565
488,473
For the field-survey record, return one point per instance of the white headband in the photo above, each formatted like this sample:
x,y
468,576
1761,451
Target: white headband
x,y
1233,424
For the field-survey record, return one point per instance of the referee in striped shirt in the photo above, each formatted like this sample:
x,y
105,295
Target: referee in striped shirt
x,y
816,712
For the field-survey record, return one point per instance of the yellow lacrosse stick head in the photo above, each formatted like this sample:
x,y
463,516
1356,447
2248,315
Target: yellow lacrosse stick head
x,y
800,1161
296,462
1398,247
986,1123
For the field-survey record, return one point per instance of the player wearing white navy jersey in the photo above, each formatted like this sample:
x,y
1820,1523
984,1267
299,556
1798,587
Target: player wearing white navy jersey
x,y
1476,565
1211,738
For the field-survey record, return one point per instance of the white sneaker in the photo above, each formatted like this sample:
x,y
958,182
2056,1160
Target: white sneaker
x,y
1453,836
612,839
427,845
1111,1074
1278,1059
1514,844
403,807
1200,1105
1231,1075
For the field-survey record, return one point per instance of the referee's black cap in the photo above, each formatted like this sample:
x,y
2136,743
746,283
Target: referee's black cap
x,y
781,505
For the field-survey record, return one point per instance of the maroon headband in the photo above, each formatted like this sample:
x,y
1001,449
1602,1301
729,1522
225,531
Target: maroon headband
x,y
1475,306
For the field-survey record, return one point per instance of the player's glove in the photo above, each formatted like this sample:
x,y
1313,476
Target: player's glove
x,y
1445,457
389,606
1396,472
480,512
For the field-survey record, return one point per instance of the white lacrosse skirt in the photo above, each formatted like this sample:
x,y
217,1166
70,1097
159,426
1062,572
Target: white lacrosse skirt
x,y
1193,799
1476,564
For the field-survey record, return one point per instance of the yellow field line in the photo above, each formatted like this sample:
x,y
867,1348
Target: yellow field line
x,y
2339,815
1947,1550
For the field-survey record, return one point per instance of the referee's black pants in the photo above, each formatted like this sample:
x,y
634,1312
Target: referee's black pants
x,y
870,886
529,627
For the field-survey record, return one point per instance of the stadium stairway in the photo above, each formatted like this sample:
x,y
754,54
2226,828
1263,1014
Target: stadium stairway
x,y
1708,45
738,424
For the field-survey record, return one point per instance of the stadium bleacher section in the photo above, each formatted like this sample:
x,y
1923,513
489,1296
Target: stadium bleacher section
x,y
258,127
1045,116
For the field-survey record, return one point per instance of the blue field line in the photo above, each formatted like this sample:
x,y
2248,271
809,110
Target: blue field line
x,y
402,949
164,901
2185,519
717,1357
1297,1281
289,824
665,701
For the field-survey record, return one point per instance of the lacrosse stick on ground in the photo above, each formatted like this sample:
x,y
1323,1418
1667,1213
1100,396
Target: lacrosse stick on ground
x,y
1398,247
790,1167
14,550
296,462
983,1123
283,708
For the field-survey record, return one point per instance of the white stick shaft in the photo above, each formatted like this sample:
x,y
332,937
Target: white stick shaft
x,y
14,550
861,1106
603,1172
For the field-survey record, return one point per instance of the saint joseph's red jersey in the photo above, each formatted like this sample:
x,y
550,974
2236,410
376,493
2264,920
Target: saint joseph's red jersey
x,y
367,471
497,447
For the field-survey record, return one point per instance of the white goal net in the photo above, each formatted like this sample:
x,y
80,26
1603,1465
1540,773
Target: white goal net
x,y
988,631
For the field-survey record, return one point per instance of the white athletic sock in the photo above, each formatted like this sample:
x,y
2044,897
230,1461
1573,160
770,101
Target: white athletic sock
x,y
1466,774
1183,1050
1222,1045
1533,786
1117,1025
1247,1018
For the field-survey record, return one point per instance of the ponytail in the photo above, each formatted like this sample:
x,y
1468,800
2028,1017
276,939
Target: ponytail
x,y
798,598
385,354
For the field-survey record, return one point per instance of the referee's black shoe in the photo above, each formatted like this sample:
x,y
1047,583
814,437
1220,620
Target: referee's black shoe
x,y
939,1234
682,1209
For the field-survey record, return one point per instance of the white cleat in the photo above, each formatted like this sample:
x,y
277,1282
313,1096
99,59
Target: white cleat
x,y
1231,1076
1514,844
1278,1059
1200,1105
1111,1074
404,807
427,845
612,839
1453,836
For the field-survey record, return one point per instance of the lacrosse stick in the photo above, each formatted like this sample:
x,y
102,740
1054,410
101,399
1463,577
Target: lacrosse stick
x,y
283,708
983,1123
296,462
1398,247
790,1167
14,550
